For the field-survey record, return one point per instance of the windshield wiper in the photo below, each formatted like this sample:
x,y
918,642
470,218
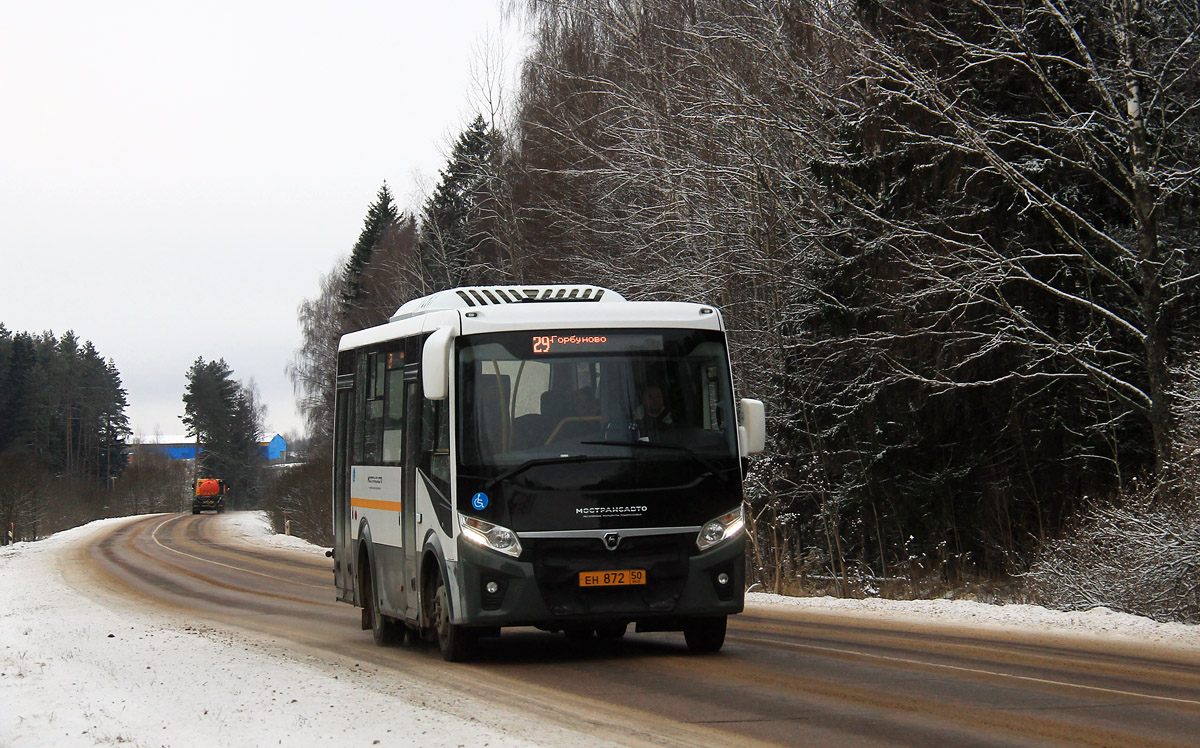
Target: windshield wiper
x,y
704,462
564,460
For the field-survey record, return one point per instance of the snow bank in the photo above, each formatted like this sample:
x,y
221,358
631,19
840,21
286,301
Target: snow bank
x,y
1097,622
254,528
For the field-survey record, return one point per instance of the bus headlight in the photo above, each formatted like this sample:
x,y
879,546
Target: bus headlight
x,y
721,529
495,537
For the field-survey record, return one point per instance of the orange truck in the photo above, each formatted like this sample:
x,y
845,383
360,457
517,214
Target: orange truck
x,y
209,494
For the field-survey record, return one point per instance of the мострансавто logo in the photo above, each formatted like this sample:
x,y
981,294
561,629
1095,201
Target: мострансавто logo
x,y
611,511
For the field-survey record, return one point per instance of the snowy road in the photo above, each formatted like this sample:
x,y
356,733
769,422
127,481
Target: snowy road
x,y
788,675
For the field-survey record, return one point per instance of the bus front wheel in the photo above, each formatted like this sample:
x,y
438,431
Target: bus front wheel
x,y
456,642
705,634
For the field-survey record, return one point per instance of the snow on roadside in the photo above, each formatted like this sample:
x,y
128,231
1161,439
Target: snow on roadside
x,y
1097,622
75,672
255,528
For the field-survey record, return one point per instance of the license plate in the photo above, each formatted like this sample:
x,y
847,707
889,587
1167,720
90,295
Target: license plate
x,y
612,578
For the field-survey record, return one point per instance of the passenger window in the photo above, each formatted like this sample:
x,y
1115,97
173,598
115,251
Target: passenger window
x,y
435,444
360,395
380,374
713,418
373,413
393,418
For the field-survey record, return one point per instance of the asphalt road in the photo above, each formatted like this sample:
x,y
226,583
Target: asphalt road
x,y
783,677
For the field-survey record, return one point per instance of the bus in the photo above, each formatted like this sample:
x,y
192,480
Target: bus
x,y
551,456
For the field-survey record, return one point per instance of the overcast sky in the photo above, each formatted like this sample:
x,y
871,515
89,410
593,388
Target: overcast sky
x,y
176,177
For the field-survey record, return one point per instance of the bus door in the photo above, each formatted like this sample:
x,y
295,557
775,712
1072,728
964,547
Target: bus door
x,y
343,576
408,489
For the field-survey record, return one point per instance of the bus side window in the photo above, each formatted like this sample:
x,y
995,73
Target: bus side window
x,y
393,419
360,401
714,419
412,420
435,444
373,414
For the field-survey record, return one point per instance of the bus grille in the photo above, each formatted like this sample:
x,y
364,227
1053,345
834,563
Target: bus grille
x,y
557,563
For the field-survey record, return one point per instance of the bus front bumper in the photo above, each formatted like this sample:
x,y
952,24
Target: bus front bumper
x,y
544,587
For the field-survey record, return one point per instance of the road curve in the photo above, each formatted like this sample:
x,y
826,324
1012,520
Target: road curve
x,y
784,677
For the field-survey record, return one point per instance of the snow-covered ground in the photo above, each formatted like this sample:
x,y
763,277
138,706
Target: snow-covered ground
x,y
75,672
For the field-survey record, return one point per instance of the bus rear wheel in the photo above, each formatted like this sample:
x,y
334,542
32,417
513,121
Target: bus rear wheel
x,y
705,634
457,643
386,631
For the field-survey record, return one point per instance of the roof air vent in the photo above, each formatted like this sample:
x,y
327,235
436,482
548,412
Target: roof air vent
x,y
476,296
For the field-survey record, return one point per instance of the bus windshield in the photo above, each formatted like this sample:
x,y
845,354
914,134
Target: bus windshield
x,y
530,398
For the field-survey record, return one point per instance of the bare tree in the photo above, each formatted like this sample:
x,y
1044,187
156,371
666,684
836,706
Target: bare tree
x,y
154,482
668,149
314,367
1066,135
1136,555
394,276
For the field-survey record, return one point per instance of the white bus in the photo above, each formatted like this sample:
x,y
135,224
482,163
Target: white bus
x,y
549,456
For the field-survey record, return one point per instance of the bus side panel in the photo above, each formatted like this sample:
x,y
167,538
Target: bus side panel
x,y
432,516
375,498
389,566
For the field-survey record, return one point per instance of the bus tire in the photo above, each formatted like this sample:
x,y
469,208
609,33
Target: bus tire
x,y
705,634
611,630
457,643
386,631
576,634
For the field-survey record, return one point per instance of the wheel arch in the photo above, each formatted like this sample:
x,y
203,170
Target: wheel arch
x,y
364,557
433,565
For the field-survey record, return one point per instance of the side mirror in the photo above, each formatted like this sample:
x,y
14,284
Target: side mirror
x,y
752,434
435,380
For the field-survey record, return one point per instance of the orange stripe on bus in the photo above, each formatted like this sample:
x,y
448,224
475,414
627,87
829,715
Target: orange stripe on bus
x,y
389,506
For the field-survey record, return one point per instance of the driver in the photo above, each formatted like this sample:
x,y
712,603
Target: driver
x,y
584,404
655,416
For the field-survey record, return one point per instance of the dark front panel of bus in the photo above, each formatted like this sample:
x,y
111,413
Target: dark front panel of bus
x,y
543,586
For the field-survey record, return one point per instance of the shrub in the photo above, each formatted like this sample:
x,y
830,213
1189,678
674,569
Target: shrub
x,y
1139,554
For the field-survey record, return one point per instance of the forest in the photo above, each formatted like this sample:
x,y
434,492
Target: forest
x,y
65,458
955,243
62,431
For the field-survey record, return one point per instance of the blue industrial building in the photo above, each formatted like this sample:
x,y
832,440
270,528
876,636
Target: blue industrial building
x,y
272,447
